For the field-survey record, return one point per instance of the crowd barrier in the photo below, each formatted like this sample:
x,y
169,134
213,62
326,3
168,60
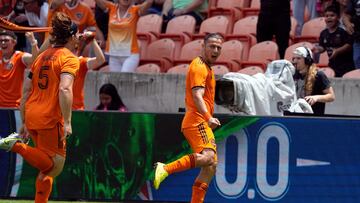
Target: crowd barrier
x,y
110,156
165,92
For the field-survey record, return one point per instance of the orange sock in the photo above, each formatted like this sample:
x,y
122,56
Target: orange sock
x,y
33,156
43,189
182,164
198,192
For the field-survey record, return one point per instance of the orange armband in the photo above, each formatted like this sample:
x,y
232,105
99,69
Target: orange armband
x,y
207,116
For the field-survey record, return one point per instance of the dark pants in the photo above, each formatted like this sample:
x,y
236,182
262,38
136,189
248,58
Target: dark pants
x,y
268,26
170,16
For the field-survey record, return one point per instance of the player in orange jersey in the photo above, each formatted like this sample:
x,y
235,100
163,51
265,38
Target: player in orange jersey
x,y
46,107
12,66
198,122
121,44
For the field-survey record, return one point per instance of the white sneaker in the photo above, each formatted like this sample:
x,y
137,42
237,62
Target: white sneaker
x,y
8,142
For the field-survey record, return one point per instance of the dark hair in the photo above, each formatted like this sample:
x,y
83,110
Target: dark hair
x,y
8,33
116,102
335,8
213,35
62,29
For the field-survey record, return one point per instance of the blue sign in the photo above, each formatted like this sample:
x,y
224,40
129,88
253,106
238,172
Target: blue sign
x,y
281,160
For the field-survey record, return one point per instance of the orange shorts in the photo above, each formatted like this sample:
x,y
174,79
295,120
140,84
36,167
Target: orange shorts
x,y
49,140
200,137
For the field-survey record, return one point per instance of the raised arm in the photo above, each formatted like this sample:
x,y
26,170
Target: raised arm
x,y
102,4
198,94
99,59
29,58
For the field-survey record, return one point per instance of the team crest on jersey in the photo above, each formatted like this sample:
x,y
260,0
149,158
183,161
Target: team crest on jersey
x,y
79,15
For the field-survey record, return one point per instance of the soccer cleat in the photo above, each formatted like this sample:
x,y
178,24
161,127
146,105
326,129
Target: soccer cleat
x,y
160,174
8,142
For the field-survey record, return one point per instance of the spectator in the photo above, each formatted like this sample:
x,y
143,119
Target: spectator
x,y
82,15
110,99
122,45
18,17
336,42
342,5
299,11
351,20
101,17
312,85
12,66
274,19
36,12
173,8
6,8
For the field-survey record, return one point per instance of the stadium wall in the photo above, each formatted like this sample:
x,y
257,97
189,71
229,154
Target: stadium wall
x,y
110,156
165,93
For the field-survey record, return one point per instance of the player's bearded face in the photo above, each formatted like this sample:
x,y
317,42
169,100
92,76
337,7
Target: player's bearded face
x,y
212,49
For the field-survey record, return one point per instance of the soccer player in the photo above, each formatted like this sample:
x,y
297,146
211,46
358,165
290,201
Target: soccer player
x,y
46,107
198,122
12,66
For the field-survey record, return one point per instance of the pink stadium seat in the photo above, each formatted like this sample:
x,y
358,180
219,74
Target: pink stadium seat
x,y
219,24
323,60
90,3
220,69
251,70
160,52
311,30
253,10
261,54
289,51
179,69
180,30
189,51
231,54
232,9
148,68
329,72
354,74
148,28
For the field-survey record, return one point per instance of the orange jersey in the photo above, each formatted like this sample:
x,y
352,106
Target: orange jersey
x,y
11,80
198,75
122,39
42,108
81,14
78,88
51,13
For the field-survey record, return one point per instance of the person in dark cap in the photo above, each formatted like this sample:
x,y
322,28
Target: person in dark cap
x,y
12,66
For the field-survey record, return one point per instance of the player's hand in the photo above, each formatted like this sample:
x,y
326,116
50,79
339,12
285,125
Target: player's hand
x,y
24,133
213,123
67,130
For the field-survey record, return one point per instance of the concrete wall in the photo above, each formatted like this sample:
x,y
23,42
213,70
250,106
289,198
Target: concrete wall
x,y
165,92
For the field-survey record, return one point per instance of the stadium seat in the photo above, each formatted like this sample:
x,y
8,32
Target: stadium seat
x,y
355,74
148,68
160,52
311,30
261,54
329,72
189,51
180,29
219,24
251,70
254,9
179,69
220,69
231,55
289,51
232,9
148,29
323,60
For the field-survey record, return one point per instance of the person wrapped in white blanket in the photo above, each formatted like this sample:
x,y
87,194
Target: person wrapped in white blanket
x,y
271,93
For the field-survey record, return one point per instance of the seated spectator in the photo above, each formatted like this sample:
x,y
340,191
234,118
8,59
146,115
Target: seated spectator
x,y
173,8
336,42
311,84
122,45
110,99
12,66
156,7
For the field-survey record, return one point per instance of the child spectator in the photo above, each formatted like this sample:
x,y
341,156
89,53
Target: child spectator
x,y
110,99
336,42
